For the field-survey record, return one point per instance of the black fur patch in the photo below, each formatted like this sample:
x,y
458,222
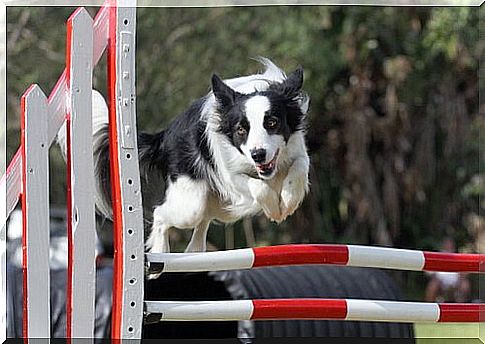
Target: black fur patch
x,y
181,149
232,119
284,108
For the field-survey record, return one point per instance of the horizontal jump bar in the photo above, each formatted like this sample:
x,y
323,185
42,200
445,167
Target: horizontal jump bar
x,y
349,255
314,309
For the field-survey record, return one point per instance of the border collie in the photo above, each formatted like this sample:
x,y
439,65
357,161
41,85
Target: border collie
x,y
235,152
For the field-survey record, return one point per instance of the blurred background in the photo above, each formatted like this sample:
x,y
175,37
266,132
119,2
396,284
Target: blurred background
x,y
394,117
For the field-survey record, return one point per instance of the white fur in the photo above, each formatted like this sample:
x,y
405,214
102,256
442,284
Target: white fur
x,y
258,137
239,195
191,203
100,118
185,207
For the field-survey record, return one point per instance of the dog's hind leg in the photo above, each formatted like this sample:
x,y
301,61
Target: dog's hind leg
x,y
198,242
184,207
158,241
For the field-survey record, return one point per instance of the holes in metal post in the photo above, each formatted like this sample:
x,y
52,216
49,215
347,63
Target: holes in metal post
x,y
133,257
130,208
128,156
132,281
130,231
130,181
126,21
76,215
131,329
133,304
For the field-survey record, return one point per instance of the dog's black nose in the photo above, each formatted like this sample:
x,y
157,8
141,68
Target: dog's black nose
x,y
258,155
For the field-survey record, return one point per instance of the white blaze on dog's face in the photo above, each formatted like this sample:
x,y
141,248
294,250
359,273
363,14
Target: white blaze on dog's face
x,y
263,141
259,124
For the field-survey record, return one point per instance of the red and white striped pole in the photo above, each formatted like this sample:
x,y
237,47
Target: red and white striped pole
x,y
305,254
316,309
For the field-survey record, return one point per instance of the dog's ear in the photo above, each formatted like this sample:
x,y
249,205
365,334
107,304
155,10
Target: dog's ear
x,y
225,95
293,83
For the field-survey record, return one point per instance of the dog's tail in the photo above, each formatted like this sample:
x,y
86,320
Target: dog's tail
x,y
150,153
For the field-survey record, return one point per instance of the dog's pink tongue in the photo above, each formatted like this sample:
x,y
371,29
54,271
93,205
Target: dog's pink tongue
x,y
265,167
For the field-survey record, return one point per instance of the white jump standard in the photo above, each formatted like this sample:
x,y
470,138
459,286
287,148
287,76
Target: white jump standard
x,y
86,42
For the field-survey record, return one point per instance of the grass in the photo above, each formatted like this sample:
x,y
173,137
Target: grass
x,y
457,333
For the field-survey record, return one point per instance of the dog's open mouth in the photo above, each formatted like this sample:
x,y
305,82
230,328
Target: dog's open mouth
x,y
265,170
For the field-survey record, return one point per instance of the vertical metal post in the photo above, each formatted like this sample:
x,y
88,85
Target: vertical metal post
x,y
35,214
127,313
80,173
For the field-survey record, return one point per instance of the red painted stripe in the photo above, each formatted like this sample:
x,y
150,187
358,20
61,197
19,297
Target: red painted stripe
x,y
70,244
25,308
8,171
116,320
299,309
300,254
462,262
461,312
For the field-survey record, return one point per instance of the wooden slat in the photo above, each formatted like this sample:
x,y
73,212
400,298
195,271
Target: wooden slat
x,y
10,181
80,172
35,214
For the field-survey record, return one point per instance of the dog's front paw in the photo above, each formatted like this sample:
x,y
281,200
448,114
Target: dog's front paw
x,y
272,210
267,199
292,195
271,205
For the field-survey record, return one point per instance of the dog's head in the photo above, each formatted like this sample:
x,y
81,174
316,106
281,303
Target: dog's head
x,y
260,124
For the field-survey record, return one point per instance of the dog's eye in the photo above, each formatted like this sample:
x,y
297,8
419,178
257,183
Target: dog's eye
x,y
271,123
241,131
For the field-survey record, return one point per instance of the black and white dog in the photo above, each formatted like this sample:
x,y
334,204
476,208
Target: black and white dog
x,y
236,152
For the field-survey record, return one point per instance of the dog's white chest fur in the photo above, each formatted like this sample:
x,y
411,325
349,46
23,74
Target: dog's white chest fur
x,y
191,203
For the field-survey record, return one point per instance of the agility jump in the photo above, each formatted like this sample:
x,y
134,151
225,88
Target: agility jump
x,y
113,29
27,176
